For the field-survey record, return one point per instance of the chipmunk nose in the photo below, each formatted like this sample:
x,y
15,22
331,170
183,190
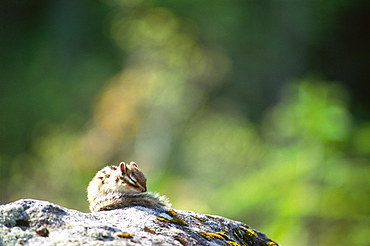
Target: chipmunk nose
x,y
143,189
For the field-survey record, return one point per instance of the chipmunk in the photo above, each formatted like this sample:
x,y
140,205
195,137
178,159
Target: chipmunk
x,y
121,186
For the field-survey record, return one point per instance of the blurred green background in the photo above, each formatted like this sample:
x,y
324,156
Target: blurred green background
x,y
253,110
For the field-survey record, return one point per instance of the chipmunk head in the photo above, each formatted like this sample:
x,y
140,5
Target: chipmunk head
x,y
131,177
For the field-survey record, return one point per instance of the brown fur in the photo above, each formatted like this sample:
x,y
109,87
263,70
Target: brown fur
x,y
122,186
116,200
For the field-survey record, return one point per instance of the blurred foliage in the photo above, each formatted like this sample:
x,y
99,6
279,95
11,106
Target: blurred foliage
x,y
206,103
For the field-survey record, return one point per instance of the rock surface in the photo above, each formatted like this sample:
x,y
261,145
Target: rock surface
x,y
34,222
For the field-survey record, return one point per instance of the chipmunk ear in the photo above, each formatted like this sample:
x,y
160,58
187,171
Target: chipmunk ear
x,y
133,163
122,167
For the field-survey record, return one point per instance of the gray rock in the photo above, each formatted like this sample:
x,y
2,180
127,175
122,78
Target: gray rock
x,y
34,222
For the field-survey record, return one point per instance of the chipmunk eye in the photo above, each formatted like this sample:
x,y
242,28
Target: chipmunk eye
x,y
132,179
